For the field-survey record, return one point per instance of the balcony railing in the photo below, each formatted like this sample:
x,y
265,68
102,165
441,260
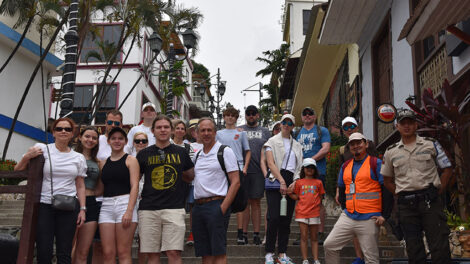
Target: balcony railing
x,y
433,71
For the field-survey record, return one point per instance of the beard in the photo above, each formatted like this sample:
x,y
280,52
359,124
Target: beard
x,y
252,123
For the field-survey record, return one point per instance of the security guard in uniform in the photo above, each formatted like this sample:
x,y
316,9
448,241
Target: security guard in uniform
x,y
410,171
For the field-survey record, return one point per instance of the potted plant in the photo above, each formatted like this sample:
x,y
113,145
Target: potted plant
x,y
459,237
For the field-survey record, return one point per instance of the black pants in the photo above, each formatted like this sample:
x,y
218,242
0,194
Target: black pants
x,y
279,226
415,217
56,224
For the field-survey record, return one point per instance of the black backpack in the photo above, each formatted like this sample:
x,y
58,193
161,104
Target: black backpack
x,y
241,198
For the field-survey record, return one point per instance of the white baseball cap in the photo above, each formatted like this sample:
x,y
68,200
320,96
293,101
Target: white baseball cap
x,y
291,117
147,105
349,119
308,162
356,136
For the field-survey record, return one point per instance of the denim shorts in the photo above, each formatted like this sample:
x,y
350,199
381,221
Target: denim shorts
x,y
113,208
210,229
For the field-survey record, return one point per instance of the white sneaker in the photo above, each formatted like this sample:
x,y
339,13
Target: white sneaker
x,y
316,261
305,261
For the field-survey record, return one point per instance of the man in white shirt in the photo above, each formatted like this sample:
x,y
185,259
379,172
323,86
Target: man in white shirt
x,y
213,195
113,119
148,115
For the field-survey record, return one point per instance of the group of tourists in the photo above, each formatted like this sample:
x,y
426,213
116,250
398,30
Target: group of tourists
x,y
97,194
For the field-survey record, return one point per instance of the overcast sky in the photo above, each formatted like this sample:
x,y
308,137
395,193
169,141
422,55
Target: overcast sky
x,y
232,35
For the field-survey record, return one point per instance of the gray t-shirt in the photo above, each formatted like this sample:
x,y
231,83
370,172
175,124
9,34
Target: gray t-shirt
x,y
237,141
257,136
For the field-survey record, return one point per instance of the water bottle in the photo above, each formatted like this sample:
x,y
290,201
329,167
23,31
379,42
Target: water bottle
x,y
283,206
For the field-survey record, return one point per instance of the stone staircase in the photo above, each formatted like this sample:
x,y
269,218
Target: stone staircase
x,y
11,214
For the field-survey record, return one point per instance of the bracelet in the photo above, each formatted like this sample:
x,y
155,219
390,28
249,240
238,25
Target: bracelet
x,y
283,183
83,208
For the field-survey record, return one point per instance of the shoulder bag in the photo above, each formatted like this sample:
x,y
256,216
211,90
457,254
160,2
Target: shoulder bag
x,y
60,201
270,182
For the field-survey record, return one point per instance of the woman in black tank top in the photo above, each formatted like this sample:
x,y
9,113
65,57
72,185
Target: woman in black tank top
x,y
118,215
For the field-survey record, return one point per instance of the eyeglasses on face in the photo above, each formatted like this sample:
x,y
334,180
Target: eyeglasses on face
x,y
60,129
251,113
308,113
289,123
351,127
277,128
110,123
141,141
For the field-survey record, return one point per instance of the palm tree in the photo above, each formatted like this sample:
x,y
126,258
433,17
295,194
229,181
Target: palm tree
x,y
46,20
26,11
275,61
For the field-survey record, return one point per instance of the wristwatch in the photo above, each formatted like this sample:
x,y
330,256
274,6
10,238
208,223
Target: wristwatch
x,y
83,208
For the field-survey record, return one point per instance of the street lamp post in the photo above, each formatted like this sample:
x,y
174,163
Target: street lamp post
x,y
221,87
156,44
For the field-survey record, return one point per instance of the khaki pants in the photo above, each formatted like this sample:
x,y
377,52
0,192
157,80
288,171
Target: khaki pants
x,y
344,230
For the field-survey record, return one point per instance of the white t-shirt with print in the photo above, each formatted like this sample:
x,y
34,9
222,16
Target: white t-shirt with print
x,y
66,166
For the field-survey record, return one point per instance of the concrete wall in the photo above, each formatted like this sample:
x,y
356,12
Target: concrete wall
x,y
402,60
458,63
402,71
13,82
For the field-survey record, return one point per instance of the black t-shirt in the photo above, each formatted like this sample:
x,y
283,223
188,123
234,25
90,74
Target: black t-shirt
x,y
163,169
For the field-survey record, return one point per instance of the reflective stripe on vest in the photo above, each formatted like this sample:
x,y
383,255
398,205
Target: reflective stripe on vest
x,y
368,196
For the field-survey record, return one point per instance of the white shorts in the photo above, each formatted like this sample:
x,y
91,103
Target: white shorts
x,y
161,230
113,208
309,221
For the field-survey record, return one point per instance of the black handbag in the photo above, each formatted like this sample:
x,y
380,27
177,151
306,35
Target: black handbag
x,y
60,201
270,182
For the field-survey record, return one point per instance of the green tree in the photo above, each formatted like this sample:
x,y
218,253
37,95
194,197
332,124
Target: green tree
x,y
275,61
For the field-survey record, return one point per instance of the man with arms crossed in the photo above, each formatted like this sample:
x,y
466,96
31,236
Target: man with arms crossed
x,y
257,136
213,195
167,169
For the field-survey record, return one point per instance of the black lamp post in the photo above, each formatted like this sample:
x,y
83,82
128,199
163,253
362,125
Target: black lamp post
x,y
156,44
221,88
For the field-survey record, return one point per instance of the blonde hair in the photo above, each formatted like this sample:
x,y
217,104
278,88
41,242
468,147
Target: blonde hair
x,y
140,133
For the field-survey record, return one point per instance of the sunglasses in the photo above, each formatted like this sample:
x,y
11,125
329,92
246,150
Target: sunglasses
x,y
251,114
141,141
289,123
308,113
59,129
277,128
110,123
351,127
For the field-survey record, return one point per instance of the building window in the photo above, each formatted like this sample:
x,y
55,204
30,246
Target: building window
x,y
106,37
82,98
306,20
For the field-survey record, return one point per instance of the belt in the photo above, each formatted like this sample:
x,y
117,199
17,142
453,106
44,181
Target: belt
x,y
208,199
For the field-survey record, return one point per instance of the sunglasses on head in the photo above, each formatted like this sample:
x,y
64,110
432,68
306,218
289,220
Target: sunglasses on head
x,y
116,123
310,113
351,127
141,141
59,129
289,123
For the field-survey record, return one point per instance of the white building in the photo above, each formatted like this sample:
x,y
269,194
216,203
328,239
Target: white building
x,y
393,68
30,127
90,75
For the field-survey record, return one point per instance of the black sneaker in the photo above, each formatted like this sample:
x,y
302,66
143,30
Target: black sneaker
x,y
256,240
296,242
241,240
245,239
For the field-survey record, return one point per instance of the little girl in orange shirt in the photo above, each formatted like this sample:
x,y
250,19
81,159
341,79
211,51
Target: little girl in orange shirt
x,y
309,191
